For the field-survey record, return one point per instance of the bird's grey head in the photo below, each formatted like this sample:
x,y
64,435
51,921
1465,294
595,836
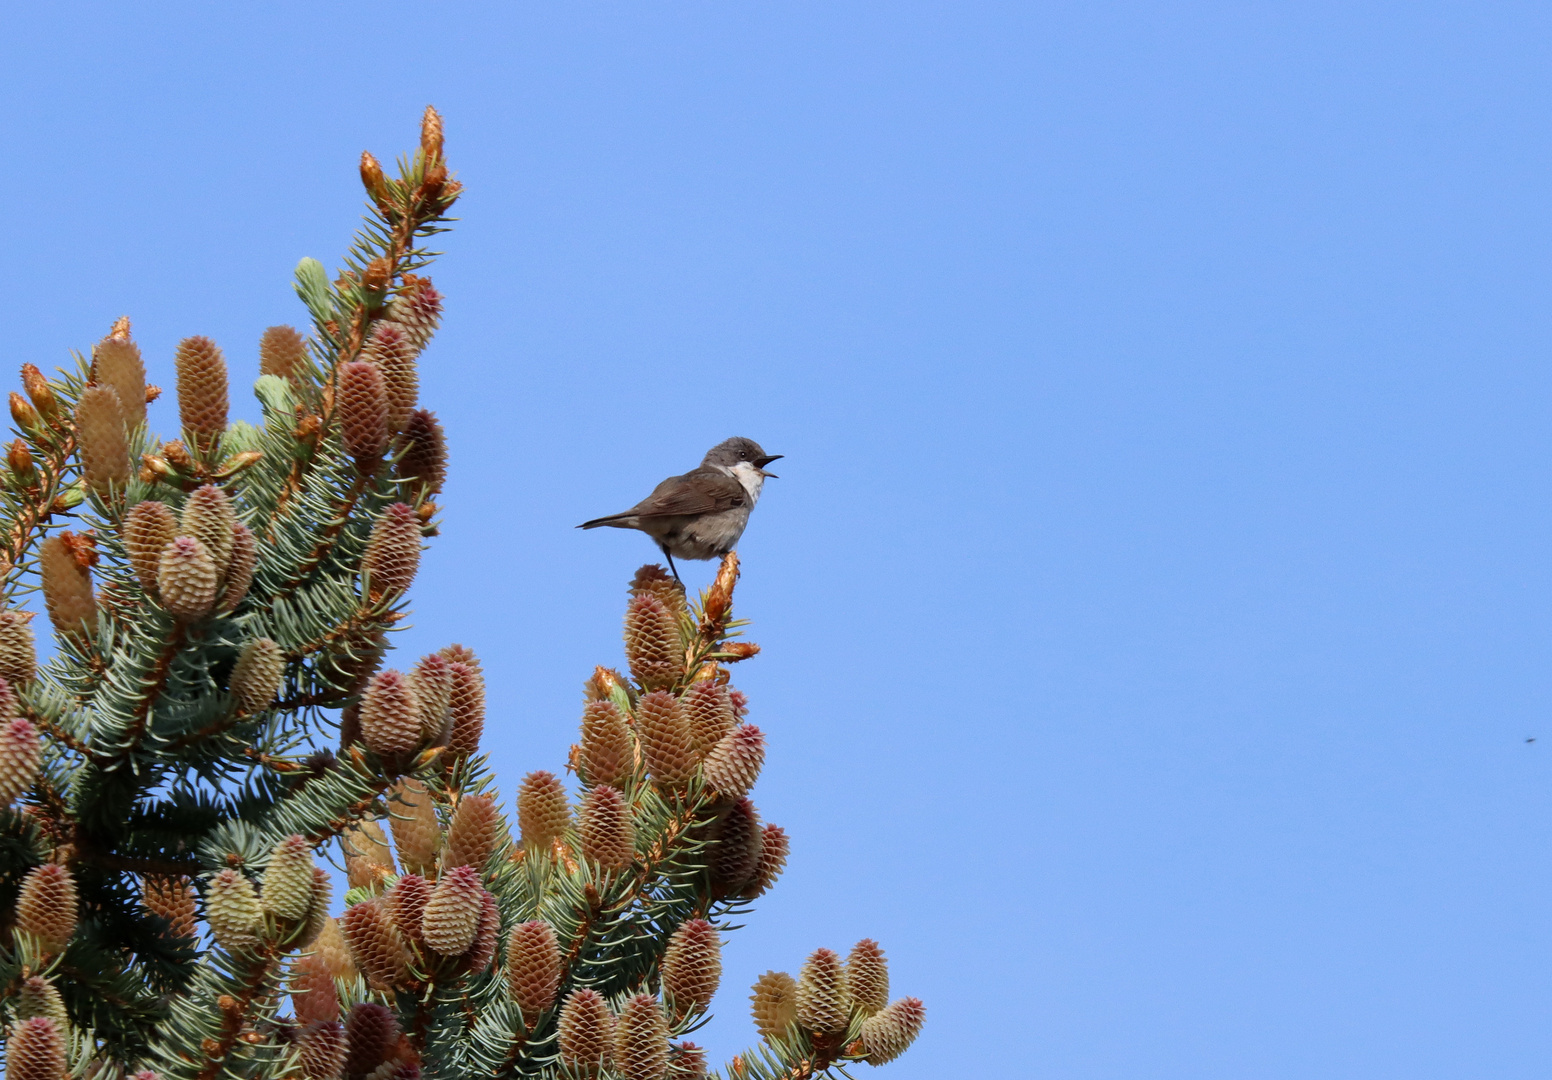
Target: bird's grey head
x,y
735,451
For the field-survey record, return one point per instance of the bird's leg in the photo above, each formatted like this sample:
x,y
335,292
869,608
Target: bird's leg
x,y
669,556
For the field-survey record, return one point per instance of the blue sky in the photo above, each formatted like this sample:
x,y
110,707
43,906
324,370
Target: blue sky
x,y
1155,598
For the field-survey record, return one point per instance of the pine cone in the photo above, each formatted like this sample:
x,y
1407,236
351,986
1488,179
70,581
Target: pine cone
x,y
318,909
433,678
709,711
641,1040
473,832
733,765
477,960
390,715
417,835
148,528
323,1049
686,1061
775,1004
363,410
202,395
466,708
239,575
209,518
406,903
604,826
691,969
888,1034
824,1004
774,849
867,977
313,997
533,969
116,363
172,898
257,675
99,425
288,879
21,749
187,579
332,949
67,586
657,581
425,455
233,911
393,552
46,907
418,309
18,651
543,812
606,747
586,1033
283,352
367,857
390,349
453,912
375,944
735,854
652,644
39,997
35,1051
372,1035
665,739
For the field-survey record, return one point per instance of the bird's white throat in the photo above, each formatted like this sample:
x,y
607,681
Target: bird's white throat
x,y
749,475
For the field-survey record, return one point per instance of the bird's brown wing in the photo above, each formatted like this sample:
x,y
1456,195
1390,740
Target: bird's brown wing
x,y
701,491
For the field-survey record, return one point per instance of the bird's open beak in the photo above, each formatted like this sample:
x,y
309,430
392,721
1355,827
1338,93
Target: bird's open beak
x,y
761,463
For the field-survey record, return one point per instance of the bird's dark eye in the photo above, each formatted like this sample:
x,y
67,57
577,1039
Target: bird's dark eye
x,y
743,453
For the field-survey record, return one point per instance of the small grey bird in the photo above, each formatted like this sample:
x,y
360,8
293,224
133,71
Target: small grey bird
x,y
701,514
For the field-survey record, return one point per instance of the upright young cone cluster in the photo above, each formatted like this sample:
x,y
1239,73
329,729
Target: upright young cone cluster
x,y
251,580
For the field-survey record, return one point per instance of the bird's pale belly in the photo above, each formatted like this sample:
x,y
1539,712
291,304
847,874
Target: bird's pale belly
x,y
704,536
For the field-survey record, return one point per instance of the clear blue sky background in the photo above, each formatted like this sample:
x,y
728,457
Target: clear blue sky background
x,y
1155,599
